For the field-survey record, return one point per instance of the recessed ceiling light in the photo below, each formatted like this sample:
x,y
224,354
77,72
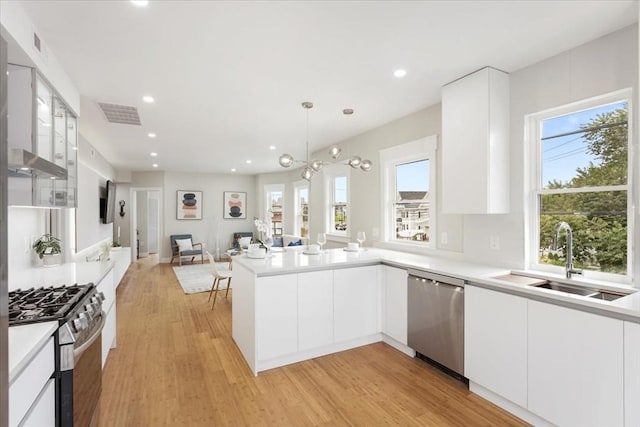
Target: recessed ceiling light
x,y
148,99
248,162
272,147
233,169
151,135
155,165
140,3
400,73
154,154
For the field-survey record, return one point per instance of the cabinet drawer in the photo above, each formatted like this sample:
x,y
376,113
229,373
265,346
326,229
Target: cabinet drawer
x,y
27,386
106,287
43,411
108,335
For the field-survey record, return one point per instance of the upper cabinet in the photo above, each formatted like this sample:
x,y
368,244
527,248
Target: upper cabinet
x,y
42,143
475,149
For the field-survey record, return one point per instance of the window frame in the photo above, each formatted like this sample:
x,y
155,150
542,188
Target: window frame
x,y
330,174
533,183
413,151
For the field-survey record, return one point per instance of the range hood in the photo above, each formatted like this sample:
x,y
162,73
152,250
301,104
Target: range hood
x,y
23,163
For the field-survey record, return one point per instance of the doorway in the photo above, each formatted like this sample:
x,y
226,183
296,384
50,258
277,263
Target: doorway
x,y
146,224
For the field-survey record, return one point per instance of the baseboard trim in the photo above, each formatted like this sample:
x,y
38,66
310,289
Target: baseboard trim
x,y
398,345
276,362
508,405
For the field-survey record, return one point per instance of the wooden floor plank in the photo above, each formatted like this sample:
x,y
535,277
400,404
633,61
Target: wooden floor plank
x,y
176,364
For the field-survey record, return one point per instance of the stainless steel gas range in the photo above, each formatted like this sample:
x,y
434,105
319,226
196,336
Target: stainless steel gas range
x,y
78,367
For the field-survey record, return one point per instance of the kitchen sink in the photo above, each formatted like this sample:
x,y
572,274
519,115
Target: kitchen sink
x,y
581,290
562,287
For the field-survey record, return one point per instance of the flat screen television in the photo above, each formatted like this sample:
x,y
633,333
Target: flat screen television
x,y
108,204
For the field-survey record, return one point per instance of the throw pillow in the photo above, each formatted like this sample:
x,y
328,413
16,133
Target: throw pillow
x,y
298,243
184,245
277,242
244,242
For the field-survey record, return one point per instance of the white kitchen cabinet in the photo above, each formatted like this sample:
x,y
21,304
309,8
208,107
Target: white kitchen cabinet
x,y
575,366
495,342
355,303
315,309
276,316
43,411
475,143
107,287
395,304
25,389
631,374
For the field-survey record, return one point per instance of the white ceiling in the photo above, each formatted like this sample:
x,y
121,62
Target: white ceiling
x,y
229,77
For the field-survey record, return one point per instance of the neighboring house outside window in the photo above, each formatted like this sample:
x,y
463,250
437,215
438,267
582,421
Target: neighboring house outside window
x,y
301,206
408,186
580,174
274,203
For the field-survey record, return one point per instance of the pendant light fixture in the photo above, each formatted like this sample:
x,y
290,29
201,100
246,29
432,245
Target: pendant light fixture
x,y
311,167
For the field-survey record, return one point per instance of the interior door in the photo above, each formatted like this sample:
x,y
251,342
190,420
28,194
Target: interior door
x,y
153,223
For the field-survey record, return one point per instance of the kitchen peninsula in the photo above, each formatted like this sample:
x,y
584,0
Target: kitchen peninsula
x,y
291,306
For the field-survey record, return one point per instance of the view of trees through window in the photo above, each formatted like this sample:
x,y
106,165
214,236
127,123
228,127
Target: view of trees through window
x,y
412,201
584,158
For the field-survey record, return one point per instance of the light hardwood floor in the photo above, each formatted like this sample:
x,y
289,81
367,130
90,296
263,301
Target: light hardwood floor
x,y
177,365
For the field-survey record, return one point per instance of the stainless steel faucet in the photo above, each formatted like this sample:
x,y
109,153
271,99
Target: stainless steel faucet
x,y
569,270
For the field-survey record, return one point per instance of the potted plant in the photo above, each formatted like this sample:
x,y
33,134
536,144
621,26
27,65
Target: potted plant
x,y
48,249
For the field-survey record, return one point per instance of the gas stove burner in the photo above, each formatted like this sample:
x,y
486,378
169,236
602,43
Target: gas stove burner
x,y
45,304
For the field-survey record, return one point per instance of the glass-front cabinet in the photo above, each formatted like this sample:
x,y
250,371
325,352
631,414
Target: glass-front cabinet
x,y
46,155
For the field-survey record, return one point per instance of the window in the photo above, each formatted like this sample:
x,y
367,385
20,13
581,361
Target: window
x,y
582,178
339,209
301,195
274,201
409,193
411,204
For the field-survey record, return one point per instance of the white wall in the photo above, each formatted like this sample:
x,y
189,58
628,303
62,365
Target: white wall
x,y
603,65
18,29
123,223
24,226
93,173
212,228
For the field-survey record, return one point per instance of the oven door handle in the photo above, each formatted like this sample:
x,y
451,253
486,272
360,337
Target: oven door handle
x,y
77,352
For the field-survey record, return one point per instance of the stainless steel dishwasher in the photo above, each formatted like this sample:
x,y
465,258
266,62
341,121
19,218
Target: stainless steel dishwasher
x,y
436,318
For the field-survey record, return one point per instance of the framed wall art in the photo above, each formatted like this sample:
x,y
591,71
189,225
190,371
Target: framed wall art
x,y
189,204
235,205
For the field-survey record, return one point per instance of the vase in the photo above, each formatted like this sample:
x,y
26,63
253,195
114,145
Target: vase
x,y
51,260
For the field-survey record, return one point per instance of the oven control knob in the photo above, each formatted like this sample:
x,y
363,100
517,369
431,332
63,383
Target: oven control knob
x,y
101,295
96,302
77,324
89,311
84,320
96,308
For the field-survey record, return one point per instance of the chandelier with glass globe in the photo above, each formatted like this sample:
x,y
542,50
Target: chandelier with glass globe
x,y
313,166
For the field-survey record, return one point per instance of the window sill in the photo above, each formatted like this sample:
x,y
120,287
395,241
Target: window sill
x,y
418,248
342,238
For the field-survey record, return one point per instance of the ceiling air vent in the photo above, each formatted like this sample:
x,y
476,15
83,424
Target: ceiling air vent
x,y
120,113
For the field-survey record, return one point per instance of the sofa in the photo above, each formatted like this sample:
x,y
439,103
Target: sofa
x,y
286,239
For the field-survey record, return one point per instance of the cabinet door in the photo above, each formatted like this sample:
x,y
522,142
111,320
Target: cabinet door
x,y
106,287
395,304
276,316
355,299
495,342
575,366
315,309
475,121
108,335
43,411
631,374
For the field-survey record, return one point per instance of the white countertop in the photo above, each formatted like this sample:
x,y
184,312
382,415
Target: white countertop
x,y
293,261
24,343
63,274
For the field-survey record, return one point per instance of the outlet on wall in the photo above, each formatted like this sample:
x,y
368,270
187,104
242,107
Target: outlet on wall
x,y
444,238
494,243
